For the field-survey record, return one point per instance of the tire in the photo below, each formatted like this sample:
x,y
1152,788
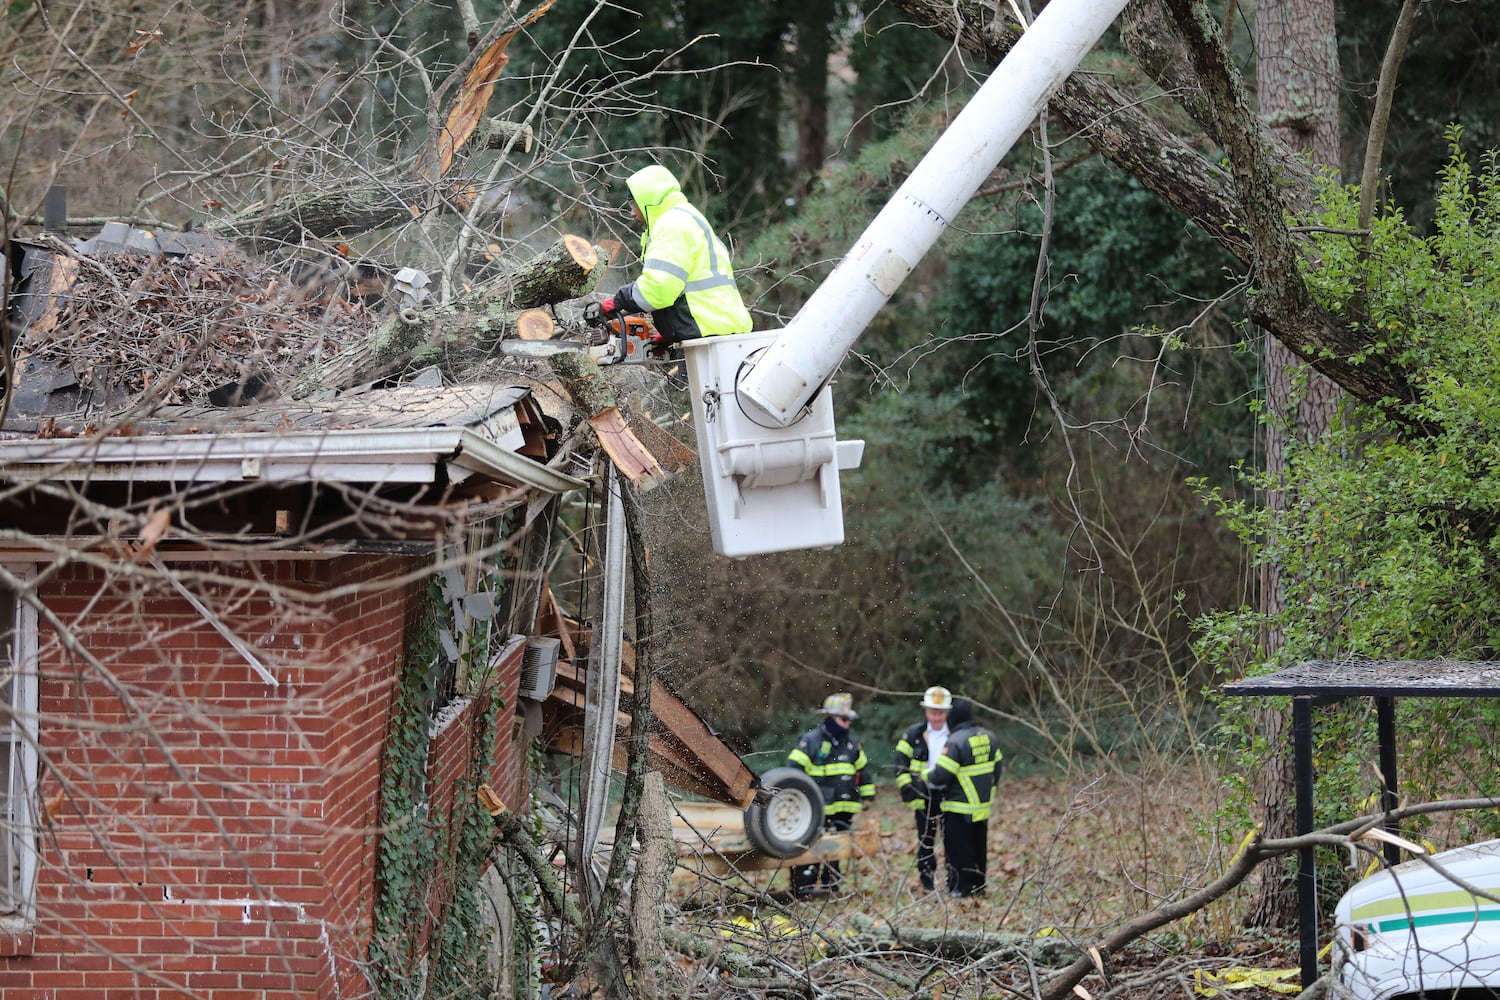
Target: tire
x,y
792,821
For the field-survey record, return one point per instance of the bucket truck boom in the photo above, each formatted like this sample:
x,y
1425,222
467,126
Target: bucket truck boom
x,y
762,407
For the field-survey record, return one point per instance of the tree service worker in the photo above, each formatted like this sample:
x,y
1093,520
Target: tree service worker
x,y
964,777
918,747
686,280
833,758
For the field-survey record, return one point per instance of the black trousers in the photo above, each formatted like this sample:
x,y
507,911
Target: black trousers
x,y
966,844
929,821
805,878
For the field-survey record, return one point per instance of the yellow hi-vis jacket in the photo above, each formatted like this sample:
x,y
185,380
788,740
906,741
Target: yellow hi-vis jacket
x,y
838,766
964,773
686,280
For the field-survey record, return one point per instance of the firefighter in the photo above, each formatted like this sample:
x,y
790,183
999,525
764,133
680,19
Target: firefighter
x,y
963,777
686,280
832,757
917,748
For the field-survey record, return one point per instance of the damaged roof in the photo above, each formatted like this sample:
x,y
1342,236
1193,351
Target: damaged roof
x,y
409,434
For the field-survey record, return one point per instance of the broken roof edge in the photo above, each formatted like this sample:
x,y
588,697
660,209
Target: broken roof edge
x,y
379,455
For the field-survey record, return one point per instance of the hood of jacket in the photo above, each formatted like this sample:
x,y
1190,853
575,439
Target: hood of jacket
x,y
655,190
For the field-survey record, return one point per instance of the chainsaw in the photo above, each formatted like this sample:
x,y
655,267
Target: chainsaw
x,y
624,339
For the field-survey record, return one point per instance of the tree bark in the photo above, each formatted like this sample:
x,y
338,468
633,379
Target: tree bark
x,y
566,270
653,876
1297,77
1241,210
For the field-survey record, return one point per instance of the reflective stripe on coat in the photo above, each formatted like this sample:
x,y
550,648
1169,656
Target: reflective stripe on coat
x,y
965,773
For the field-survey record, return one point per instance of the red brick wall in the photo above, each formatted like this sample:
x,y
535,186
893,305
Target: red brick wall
x,y
205,830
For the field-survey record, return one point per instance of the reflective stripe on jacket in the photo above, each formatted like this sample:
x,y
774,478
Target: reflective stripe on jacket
x,y
911,767
965,773
686,279
838,766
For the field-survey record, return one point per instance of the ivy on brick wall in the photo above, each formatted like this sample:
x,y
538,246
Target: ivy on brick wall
x,y
429,865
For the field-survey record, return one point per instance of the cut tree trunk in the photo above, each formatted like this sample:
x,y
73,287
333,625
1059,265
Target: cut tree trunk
x,y
566,270
497,133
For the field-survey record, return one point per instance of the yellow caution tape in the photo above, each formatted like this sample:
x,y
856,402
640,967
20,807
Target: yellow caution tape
x,y
776,926
1211,984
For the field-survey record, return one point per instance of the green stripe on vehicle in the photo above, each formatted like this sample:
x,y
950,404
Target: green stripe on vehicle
x,y
1421,902
1436,919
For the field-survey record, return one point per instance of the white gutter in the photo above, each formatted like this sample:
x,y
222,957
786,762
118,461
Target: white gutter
x,y
813,345
395,455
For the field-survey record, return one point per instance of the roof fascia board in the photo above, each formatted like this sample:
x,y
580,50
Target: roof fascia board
x,y
390,455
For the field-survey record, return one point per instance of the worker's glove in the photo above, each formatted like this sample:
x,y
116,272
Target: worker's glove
x,y
608,308
659,345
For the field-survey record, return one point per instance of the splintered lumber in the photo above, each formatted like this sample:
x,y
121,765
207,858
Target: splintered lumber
x,y
591,393
560,272
711,840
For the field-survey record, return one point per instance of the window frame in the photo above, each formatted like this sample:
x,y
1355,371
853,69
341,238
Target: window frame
x,y
23,736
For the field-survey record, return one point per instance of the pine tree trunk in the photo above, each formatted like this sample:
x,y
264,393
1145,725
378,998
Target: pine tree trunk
x,y
1297,75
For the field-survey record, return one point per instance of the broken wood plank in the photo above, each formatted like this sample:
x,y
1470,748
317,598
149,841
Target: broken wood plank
x,y
61,273
591,393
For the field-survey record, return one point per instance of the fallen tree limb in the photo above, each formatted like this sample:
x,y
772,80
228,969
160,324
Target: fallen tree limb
x,y
585,383
510,831
506,309
1254,853
296,218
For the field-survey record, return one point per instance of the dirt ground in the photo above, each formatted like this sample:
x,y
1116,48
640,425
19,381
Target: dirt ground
x,y
1069,860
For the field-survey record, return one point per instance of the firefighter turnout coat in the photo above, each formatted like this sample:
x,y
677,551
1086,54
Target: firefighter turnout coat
x,y
911,767
964,774
838,765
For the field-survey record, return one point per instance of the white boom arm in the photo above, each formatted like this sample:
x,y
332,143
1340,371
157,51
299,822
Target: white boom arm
x,y
813,345
762,406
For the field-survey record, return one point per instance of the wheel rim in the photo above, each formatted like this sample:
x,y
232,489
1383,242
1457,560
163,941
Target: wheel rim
x,y
789,816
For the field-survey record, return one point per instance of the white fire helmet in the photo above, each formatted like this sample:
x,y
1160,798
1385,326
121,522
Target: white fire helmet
x,y
937,697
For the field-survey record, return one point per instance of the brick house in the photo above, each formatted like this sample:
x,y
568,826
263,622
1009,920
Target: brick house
x,y
257,663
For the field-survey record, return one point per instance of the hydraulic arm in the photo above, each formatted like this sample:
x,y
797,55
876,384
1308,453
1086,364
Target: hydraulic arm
x,y
762,406
812,346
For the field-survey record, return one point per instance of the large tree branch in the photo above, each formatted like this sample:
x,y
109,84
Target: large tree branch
x,y
1243,210
1254,853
